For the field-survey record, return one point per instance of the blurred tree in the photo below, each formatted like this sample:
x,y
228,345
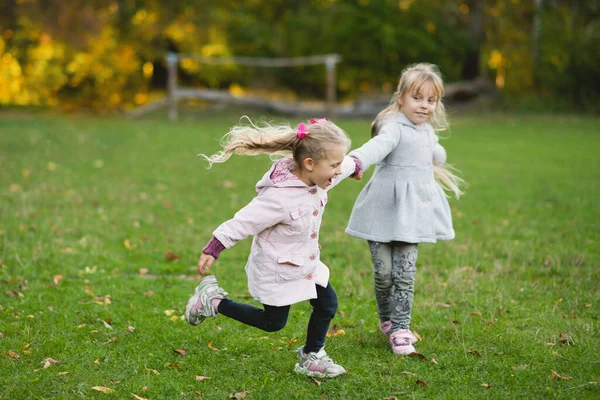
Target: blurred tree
x,y
108,54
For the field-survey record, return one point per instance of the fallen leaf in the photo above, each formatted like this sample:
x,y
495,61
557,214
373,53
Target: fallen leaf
x,y
416,354
239,395
174,365
409,373
434,362
127,244
201,378
555,375
57,279
174,318
181,351
111,340
417,335
13,355
138,397
421,383
316,382
170,256
49,361
26,346
588,304
443,305
152,371
338,333
143,271
102,389
97,361
290,342
474,352
63,373
130,329
148,293
168,313
486,385
229,185
167,204
520,367
210,346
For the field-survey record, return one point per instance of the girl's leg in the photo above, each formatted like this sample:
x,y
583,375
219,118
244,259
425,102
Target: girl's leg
x,y
404,266
271,319
324,309
381,254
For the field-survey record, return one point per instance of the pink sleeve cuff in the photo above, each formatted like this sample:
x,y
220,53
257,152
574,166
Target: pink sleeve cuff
x,y
357,167
213,247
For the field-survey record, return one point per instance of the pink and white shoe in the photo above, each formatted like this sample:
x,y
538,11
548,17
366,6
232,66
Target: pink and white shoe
x,y
317,364
385,327
199,306
402,341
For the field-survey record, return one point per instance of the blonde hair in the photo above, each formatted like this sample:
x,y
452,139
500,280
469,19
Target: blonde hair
x,y
412,81
280,139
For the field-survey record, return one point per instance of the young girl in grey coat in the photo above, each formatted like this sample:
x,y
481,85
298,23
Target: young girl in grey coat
x,y
404,203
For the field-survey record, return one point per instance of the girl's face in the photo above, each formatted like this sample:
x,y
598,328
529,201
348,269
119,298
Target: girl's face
x,y
419,107
321,173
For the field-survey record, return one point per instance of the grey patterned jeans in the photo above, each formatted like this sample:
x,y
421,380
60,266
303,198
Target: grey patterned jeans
x,y
394,272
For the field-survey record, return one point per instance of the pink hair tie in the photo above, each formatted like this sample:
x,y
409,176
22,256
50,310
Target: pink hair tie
x,y
318,121
301,131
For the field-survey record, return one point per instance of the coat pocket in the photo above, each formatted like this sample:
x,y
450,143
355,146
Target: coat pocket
x,y
290,267
300,220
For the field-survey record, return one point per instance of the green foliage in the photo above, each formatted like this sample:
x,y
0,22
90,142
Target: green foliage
x,y
88,203
103,55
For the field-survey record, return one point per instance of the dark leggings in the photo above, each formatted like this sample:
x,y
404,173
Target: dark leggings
x,y
272,318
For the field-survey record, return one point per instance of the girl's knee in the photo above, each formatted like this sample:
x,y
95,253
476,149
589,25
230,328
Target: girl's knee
x,y
275,325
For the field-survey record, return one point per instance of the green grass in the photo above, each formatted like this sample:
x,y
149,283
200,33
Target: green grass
x,y
513,298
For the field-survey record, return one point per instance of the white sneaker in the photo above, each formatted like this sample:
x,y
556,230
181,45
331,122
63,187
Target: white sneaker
x,y
317,364
199,306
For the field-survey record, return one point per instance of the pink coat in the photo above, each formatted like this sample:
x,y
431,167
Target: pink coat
x,y
284,218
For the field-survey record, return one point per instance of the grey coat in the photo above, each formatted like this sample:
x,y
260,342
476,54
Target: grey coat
x,y
402,201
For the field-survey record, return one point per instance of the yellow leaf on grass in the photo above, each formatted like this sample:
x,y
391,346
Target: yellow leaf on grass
x,y
152,371
57,279
13,355
520,367
486,385
201,378
49,361
417,335
210,346
138,397
102,389
555,375
239,395
338,333
168,313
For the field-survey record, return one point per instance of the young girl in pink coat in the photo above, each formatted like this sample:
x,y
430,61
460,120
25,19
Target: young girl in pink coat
x,y
284,218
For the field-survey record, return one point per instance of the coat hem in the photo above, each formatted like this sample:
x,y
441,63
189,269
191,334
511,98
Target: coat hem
x,y
407,239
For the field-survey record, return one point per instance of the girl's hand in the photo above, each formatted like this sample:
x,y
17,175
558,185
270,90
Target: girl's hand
x,y
358,176
205,263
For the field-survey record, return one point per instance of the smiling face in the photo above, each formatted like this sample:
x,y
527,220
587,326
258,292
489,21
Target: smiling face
x,y
419,106
322,172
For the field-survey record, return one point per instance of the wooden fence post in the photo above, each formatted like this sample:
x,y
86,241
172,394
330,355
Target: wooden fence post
x,y
330,94
172,85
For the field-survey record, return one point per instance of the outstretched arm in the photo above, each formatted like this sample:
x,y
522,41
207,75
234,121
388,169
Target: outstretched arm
x,y
379,147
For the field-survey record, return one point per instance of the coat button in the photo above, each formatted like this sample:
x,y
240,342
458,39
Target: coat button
x,y
313,191
313,235
313,257
309,277
315,213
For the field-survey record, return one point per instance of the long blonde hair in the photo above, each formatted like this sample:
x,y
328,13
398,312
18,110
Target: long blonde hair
x,y
413,79
281,139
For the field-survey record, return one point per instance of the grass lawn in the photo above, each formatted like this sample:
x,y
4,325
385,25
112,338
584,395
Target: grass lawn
x,y
102,221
